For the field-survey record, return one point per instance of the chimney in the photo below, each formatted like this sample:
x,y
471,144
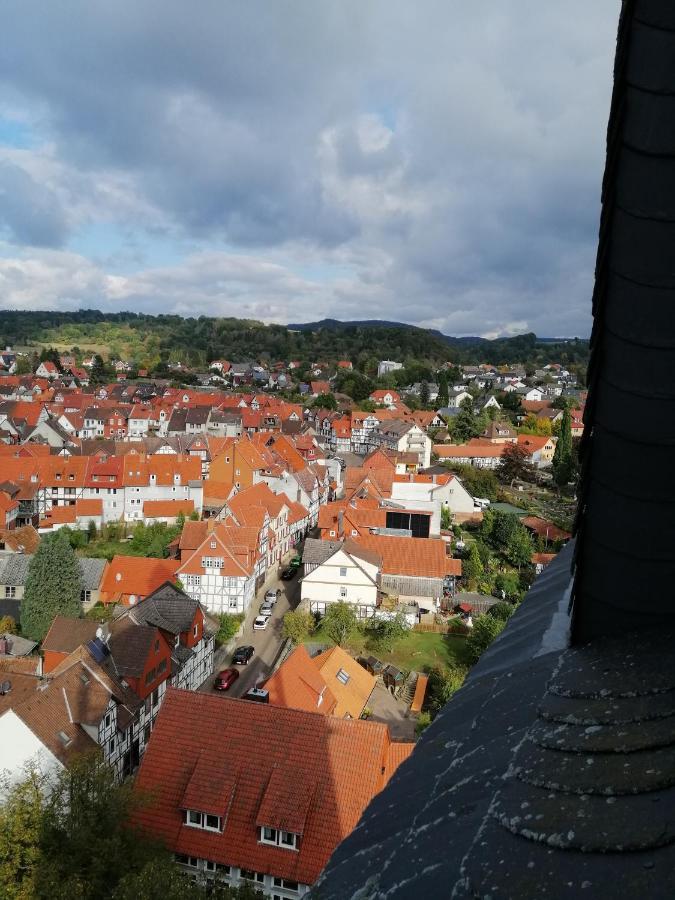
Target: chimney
x,y
625,528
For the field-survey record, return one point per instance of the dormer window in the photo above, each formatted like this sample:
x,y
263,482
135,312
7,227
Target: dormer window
x,y
205,821
279,838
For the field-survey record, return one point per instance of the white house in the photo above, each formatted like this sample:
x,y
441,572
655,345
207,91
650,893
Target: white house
x,y
386,366
21,749
455,399
340,572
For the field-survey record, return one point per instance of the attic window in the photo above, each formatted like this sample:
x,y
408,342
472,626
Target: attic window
x,y
279,838
213,545
206,821
65,740
342,676
343,570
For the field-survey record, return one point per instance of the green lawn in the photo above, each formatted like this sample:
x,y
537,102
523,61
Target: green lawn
x,y
417,650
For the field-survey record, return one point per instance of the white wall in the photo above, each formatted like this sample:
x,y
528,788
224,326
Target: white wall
x,y
325,584
20,749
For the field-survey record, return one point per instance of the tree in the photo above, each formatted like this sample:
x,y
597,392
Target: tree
x,y
7,625
53,586
443,683
91,530
424,393
339,621
180,520
325,401
442,399
519,548
228,626
446,518
514,464
472,568
99,372
464,425
563,459
383,633
23,365
502,611
297,626
485,630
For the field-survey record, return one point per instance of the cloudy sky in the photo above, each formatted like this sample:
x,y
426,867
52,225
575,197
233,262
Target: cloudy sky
x,y
436,162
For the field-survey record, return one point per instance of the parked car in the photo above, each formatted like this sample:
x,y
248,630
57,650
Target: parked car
x,y
260,623
296,561
225,679
271,597
242,655
266,608
288,573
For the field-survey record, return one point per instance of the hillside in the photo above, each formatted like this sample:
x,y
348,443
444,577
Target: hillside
x,y
148,339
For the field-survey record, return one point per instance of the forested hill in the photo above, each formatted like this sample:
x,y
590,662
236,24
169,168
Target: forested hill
x,y
148,339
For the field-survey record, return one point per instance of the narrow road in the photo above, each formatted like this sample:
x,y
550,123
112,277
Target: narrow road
x,y
266,643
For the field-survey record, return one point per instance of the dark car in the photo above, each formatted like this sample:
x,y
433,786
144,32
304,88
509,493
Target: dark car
x,y
225,679
288,573
242,655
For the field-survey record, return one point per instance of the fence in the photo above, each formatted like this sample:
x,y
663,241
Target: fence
x,y
456,629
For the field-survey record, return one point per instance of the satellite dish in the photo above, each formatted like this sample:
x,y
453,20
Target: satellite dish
x,y
99,633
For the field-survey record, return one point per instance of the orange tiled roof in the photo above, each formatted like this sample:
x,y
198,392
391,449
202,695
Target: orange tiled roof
x,y
137,575
420,557
167,508
297,684
287,768
352,697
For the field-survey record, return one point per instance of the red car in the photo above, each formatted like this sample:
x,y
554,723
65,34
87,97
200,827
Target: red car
x,y
225,679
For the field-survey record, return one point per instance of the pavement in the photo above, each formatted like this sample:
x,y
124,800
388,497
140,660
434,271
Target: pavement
x,y
267,643
392,712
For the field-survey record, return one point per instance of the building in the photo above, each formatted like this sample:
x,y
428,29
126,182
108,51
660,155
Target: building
x,y
340,571
388,365
269,804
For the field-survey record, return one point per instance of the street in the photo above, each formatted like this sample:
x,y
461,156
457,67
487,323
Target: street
x,y
266,643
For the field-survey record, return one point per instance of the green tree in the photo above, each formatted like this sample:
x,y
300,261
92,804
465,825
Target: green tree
x,y
464,426
228,626
519,548
442,399
563,459
472,568
99,372
23,365
297,625
424,393
485,630
514,464
91,530
325,401
446,518
180,520
20,825
443,683
382,634
339,621
502,611
53,586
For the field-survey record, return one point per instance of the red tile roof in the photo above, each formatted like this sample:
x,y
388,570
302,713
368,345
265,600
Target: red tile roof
x,y
285,768
127,575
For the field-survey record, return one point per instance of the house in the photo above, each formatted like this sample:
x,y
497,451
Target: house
x,y
345,364
544,529
268,805
332,683
167,511
319,387
385,397
222,569
340,572
129,579
405,437
14,572
481,454
433,493
500,433
540,447
47,369
388,365
23,539
456,398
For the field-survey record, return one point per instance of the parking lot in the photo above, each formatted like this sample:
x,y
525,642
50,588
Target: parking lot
x,y
267,643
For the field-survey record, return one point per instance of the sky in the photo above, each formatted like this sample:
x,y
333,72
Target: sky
x,y
436,162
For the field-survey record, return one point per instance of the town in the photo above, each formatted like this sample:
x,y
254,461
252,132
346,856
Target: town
x,y
248,592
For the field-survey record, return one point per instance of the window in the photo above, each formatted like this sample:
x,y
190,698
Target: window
x,y
111,745
107,720
343,592
210,866
279,838
161,667
150,677
195,630
286,884
176,643
207,821
332,534
156,646
155,697
10,591
249,875
190,861
146,733
213,545
343,572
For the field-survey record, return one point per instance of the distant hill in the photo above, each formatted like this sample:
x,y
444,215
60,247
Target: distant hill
x,y
148,340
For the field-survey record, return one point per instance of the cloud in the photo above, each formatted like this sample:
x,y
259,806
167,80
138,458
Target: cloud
x,y
436,162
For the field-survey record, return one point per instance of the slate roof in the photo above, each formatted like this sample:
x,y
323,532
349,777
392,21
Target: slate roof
x,y
168,608
316,552
14,570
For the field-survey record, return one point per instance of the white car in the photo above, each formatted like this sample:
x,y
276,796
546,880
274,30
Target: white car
x,y
480,503
265,609
270,597
260,622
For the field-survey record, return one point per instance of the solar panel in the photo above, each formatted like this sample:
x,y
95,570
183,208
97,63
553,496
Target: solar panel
x,y
98,649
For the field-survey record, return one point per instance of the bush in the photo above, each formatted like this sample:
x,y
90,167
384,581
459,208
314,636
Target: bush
x,y
228,627
298,626
382,634
443,682
502,611
7,625
485,630
423,722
